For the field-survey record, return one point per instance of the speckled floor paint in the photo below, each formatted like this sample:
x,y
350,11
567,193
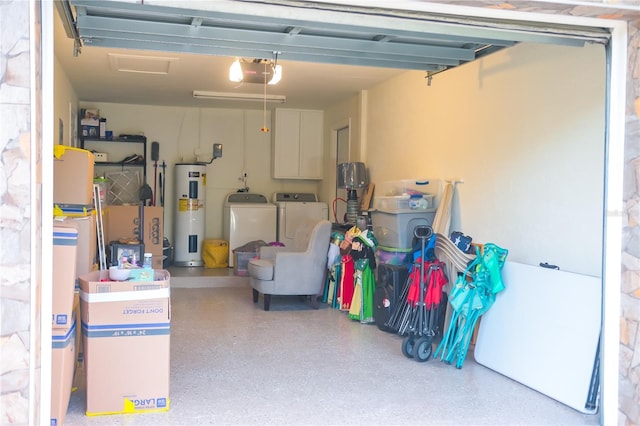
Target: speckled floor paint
x,y
234,364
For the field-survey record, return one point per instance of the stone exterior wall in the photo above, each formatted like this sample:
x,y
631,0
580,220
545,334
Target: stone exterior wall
x,y
19,362
629,391
19,357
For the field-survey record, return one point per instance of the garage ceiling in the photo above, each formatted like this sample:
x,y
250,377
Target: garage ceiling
x,y
171,29
315,33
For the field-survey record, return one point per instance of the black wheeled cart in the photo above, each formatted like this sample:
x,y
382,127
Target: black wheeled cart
x,y
421,312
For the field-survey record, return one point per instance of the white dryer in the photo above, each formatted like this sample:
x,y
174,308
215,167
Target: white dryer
x,y
293,208
248,217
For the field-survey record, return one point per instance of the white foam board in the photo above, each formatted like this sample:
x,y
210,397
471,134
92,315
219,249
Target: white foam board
x,y
543,331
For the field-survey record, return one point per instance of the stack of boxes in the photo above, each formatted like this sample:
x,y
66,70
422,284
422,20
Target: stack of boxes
x,y
400,206
122,329
63,333
91,124
74,249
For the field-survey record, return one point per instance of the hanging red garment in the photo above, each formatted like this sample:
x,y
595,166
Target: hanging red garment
x,y
346,282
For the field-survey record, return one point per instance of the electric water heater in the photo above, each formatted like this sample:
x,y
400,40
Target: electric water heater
x,y
190,214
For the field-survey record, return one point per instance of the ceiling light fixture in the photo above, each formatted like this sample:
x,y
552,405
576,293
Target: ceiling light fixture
x,y
255,71
232,96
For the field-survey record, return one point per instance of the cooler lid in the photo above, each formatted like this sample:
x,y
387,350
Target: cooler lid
x,y
295,196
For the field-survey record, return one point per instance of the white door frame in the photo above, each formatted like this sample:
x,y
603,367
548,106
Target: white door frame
x,y
335,129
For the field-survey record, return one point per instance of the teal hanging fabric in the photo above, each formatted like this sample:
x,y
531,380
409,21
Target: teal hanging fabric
x,y
334,284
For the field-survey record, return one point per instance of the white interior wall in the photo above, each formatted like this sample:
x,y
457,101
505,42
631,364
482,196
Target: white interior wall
x,y
343,113
65,101
524,129
182,132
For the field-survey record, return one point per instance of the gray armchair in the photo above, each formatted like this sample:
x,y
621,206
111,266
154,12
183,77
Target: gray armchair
x,y
298,269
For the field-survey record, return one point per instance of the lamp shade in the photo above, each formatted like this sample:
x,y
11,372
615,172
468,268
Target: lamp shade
x,y
352,175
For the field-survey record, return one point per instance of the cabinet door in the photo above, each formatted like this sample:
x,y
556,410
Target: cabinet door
x,y
298,144
286,153
311,144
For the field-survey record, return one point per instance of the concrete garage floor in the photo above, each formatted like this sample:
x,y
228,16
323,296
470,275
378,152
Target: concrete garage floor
x,y
234,364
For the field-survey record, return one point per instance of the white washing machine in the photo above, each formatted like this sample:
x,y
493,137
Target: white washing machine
x,y
248,217
293,208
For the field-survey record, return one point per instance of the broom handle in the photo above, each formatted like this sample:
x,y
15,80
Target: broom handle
x,y
155,182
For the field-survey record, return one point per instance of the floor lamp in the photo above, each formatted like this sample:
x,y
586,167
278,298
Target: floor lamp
x,y
352,176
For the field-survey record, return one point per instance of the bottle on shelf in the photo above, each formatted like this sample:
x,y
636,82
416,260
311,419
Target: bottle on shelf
x,y
148,261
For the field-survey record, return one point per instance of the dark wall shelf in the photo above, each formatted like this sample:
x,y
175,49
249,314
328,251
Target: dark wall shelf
x,y
118,163
95,143
123,140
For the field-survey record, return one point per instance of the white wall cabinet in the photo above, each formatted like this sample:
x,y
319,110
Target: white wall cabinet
x,y
298,151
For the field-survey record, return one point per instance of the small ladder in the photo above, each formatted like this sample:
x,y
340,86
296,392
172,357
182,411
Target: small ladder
x,y
97,204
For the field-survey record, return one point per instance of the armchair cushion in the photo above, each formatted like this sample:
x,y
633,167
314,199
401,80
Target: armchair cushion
x,y
262,269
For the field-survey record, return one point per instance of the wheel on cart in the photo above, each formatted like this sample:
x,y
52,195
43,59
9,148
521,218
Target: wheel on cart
x,y
422,349
407,346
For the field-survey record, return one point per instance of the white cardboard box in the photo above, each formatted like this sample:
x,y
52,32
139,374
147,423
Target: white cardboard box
x,y
63,361
87,241
63,282
72,176
126,338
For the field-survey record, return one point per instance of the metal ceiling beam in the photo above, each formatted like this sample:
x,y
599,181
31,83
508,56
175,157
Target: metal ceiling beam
x,y
137,26
417,43
269,40
356,60
317,16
